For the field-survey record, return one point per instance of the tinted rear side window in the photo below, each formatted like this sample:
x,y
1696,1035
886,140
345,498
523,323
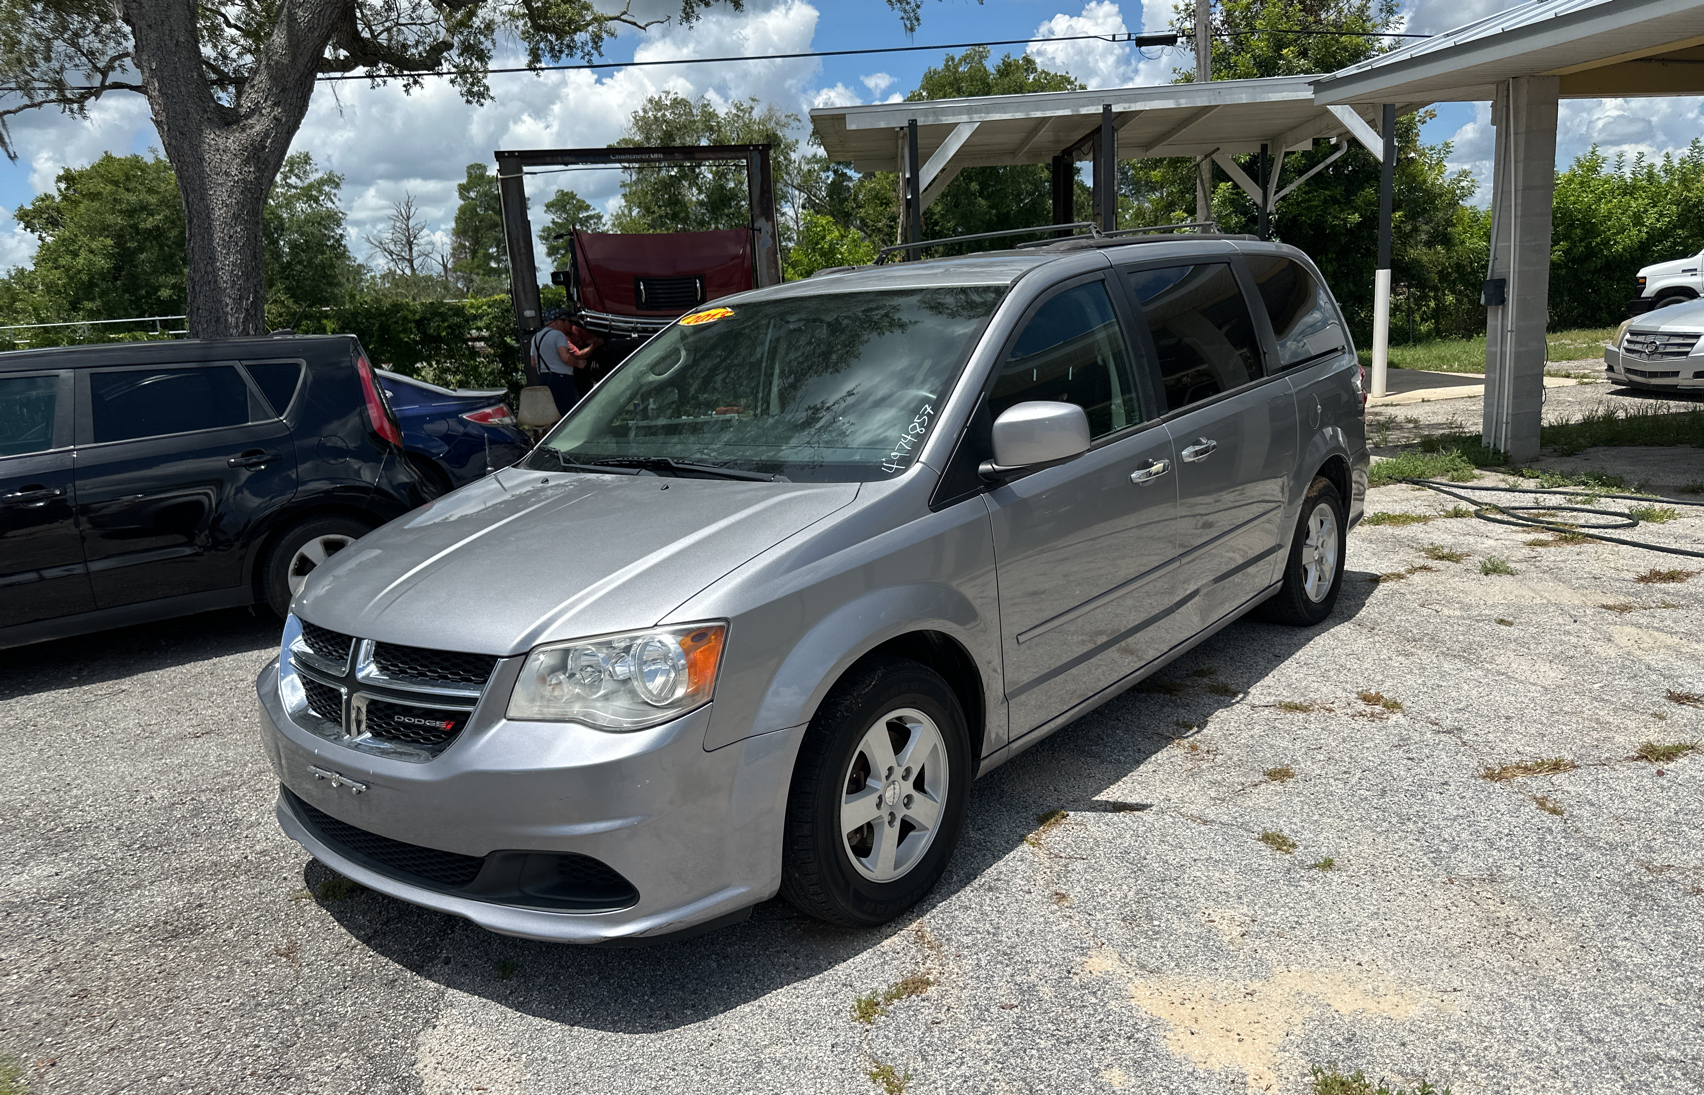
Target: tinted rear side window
x,y
277,381
1304,321
1202,330
173,399
26,413
1073,350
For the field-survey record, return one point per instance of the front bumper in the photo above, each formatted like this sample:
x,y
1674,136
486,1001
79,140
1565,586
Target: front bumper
x,y
1674,373
696,833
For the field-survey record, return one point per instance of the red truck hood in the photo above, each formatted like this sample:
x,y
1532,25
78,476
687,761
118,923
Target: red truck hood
x,y
661,274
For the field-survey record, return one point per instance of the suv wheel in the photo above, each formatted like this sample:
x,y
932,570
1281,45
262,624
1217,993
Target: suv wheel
x,y
295,555
1314,572
878,795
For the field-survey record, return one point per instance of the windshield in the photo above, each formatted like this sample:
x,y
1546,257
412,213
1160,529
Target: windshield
x,y
837,386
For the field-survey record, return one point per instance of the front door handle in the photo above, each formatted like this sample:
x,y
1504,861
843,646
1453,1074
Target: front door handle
x,y
33,495
1201,450
1153,470
253,458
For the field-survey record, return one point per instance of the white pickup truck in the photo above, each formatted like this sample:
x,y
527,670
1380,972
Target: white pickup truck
x,y
1665,283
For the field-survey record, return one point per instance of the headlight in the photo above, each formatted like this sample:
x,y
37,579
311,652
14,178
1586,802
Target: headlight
x,y
621,682
1621,333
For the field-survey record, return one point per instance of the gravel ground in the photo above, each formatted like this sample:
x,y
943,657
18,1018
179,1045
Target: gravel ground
x,y
1534,934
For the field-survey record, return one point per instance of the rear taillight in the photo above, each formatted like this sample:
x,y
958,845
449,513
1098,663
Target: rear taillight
x,y
378,412
500,415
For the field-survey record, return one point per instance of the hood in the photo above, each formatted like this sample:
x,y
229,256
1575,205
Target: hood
x,y
523,557
1686,265
1687,318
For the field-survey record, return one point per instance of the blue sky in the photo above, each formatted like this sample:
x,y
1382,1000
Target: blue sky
x,y
387,144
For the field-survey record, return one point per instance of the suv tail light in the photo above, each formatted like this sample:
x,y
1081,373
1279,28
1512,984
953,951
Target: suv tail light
x,y
500,415
378,411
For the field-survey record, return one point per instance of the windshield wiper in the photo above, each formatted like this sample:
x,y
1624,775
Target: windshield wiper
x,y
606,469
661,463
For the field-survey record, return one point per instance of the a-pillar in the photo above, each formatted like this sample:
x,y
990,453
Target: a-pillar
x,y
1517,288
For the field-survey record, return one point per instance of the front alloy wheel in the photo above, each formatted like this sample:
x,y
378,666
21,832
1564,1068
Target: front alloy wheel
x,y
895,787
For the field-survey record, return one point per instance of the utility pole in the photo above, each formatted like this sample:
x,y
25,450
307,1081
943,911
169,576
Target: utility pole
x,y
1203,73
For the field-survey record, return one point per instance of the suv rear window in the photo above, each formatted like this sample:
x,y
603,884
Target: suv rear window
x,y
1202,330
277,381
26,413
1304,321
131,403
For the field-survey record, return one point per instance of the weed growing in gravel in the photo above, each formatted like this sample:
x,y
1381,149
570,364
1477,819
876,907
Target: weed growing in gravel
x,y
1664,577
12,1076
1281,774
1560,539
871,1006
1614,426
1277,841
1660,716
1154,686
1494,565
1655,515
1548,805
1399,575
1621,608
1458,510
1694,487
1591,480
1443,554
1396,519
1546,767
1049,821
891,1082
1295,707
1204,671
1450,465
1685,699
505,969
1220,688
1662,754
1506,622
1325,864
1184,724
336,888
1329,1081
1379,699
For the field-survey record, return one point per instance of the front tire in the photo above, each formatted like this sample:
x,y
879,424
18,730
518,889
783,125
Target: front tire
x,y
878,796
1313,574
299,551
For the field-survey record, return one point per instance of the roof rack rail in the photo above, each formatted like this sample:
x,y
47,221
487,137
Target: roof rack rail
x,y
882,255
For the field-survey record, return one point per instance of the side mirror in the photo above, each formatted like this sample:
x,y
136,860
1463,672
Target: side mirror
x,y
1029,436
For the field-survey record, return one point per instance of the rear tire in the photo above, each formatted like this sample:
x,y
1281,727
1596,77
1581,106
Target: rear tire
x,y
1313,573
878,795
296,554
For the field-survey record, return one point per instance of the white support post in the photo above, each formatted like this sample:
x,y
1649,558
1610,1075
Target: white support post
x,y
1381,332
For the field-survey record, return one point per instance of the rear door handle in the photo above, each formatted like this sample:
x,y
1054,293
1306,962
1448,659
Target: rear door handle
x,y
253,458
1201,450
1153,471
32,495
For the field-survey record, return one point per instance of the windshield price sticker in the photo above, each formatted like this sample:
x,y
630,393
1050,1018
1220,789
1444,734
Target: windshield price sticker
x,y
709,315
896,460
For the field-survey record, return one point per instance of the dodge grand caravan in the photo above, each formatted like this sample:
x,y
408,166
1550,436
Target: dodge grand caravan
x,y
755,614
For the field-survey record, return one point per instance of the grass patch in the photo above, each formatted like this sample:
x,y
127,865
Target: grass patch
x,y
1396,520
1662,753
1204,671
1547,767
1621,608
1560,539
1379,699
1325,864
1458,511
1451,465
1601,482
1220,688
1685,699
1281,774
1048,822
1694,487
1654,515
12,1076
1443,554
1467,355
891,1082
1548,805
505,969
1296,707
1277,841
1494,565
1329,1081
1664,577
1163,688
336,888
871,1006
1621,426
1505,621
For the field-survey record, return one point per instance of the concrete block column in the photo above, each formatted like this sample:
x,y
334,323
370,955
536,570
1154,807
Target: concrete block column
x,y
1523,188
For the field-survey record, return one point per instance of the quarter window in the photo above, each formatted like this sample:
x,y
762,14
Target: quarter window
x,y
26,413
131,403
1202,331
1304,321
277,381
1072,350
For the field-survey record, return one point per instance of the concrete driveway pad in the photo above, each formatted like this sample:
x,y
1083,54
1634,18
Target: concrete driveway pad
x,y
1177,930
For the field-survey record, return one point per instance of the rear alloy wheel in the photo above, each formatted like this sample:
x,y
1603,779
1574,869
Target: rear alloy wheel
x,y
301,551
878,795
1314,572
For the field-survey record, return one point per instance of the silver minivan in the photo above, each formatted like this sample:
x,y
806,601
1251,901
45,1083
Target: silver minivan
x,y
752,618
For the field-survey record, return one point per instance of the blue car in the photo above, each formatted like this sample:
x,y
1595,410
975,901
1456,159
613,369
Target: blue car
x,y
453,437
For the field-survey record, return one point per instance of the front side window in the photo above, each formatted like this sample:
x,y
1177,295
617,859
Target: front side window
x,y
1304,322
1072,350
26,413
1202,331
837,386
131,403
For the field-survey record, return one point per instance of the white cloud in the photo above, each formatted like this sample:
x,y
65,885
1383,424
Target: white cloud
x,y
17,247
1097,64
877,82
838,95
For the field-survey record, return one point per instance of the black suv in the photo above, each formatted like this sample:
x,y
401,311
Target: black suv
x,y
145,480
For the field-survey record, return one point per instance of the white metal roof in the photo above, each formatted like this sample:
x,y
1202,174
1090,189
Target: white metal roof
x,y
1599,49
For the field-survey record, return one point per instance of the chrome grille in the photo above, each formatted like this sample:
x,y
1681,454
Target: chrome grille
x,y
1652,346
434,666
324,700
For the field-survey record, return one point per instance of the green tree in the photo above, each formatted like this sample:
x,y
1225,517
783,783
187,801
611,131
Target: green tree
x,y
228,85
821,242
1249,40
568,212
308,264
479,254
696,197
